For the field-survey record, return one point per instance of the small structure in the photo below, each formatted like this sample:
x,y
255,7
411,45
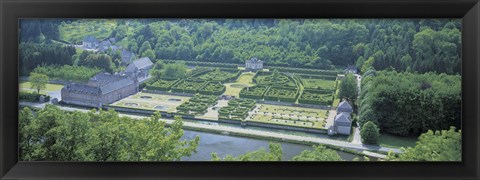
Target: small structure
x,y
90,42
344,107
342,124
127,56
139,68
351,70
253,64
102,89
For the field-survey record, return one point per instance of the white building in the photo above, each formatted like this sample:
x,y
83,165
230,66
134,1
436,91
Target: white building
x,y
254,64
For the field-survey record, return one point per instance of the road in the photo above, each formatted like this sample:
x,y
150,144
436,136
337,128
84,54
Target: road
x,y
260,133
357,139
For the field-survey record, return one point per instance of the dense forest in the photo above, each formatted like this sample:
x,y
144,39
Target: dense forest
x,y
409,103
421,45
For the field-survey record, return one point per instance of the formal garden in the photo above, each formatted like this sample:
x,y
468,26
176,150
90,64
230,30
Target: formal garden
x,y
151,101
197,105
237,109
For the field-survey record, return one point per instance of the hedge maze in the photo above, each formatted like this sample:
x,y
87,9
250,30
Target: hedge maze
x,y
255,92
237,109
163,84
188,86
197,105
320,97
212,88
220,75
282,94
272,78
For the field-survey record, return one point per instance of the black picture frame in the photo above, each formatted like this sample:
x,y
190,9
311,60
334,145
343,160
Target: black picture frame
x,y
468,10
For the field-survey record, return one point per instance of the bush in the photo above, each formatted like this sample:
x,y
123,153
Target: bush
x,y
255,92
31,97
370,133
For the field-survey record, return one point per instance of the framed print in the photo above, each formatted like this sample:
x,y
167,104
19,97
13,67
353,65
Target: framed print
x,y
239,89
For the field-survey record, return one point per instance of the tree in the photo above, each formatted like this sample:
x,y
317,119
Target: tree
x,y
444,145
370,133
149,53
349,89
38,81
319,153
275,154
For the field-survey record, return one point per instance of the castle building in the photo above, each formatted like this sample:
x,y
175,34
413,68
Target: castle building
x,y
102,89
140,68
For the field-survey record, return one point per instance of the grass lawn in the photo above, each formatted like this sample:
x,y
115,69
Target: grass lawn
x,y
336,101
77,30
389,140
25,85
291,116
150,101
318,83
233,89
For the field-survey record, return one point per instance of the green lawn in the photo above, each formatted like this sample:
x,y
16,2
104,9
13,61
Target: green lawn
x,y
318,84
389,140
151,101
233,89
25,85
336,101
291,116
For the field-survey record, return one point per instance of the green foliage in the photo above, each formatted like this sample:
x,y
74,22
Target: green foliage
x,y
102,61
410,104
237,109
163,84
282,94
319,153
176,70
32,55
255,92
444,145
269,79
212,88
220,75
51,134
348,89
197,105
318,97
188,86
31,97
275,153
67,72
38,81
370,133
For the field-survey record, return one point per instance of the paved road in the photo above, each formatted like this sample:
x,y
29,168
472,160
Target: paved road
x,y
357,139
261,133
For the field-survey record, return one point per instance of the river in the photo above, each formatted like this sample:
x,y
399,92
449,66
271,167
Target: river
x,y
231,145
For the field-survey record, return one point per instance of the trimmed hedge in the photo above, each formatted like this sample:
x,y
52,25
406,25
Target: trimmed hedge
x,y
255,92
266,78
282,94
220,75
317,97
31,97
163,84
197,105
212,88
201,63
237,109
188,86
305,71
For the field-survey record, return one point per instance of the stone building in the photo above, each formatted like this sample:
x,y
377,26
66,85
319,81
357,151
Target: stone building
x,y
253,64
351,70
127,56
90,42
139,68
102,89
342,122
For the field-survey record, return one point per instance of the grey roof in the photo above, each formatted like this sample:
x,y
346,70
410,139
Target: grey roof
x,y
90,39
342,119
344,106
117,85
351,68
254,59
82,88
142,63
102,79
126,56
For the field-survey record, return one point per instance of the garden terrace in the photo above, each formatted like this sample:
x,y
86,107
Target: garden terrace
x,y
282,94
255,92
212,88
163,84
237,109
317,97
289,116
150,101
220,75
269,79
188,86
197,105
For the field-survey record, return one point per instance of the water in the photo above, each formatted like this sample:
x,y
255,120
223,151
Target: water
x,y
225,145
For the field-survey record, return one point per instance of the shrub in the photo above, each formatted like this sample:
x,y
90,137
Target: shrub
x,y
370,133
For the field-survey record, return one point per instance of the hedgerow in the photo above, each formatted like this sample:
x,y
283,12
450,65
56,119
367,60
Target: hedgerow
x,y
188,86
255,92
237,109
317,97
197,105
282,94
212,88
163,84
